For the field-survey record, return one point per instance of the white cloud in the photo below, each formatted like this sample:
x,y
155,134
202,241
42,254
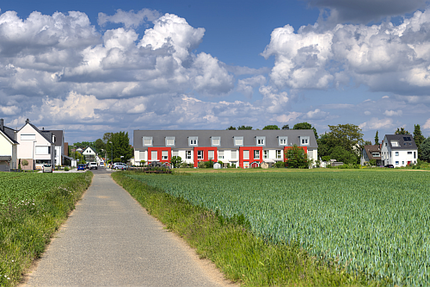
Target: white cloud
x,y
427,125
367,113
129,19
285,118
317,114
246,86
376,124
9,110
391,113
273,100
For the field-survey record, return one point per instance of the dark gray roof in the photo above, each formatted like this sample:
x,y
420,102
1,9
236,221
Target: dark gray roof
x,y
204,137
372,148
58,137
46,134
405,141
10,133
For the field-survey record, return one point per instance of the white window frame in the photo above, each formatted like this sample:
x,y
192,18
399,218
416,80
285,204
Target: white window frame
x,y
211,154
238,141
396,153
220,154
152,155
256,154
215,141
147,139
283,140
175,153
265,154
245,154
200,154
260,141
193,141
233,154
39,150
188,154
170,141
28,137
304,141
278,154
164,155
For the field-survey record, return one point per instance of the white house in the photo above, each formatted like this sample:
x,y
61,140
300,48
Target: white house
x,y
35,146
89,154
8,148
399,150
243,148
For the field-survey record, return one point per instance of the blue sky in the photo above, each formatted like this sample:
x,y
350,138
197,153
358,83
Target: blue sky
x,y
90,67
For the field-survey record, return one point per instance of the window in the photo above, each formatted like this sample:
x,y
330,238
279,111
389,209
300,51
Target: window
x,y
396,153
403,162
193,141
394,143
238,141
221,154
260,140
246,154
211,154
170,141
283,141
397,163
256,154
154,155
304,140
216,141
265,154
409,152
141,155
175,153
376,154
164,155
147,141
234,154
415,154
28,137
188,154
199,154
278,154
43,150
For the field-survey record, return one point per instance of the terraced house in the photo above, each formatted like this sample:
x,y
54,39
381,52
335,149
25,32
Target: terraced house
x,y
244,148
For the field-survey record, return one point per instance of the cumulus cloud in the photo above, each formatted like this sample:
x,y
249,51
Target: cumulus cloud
x,y
365,11
246,86
376,124
317,114
427,125
390,113
128,18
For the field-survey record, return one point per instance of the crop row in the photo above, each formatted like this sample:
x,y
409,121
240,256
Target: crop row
x,y
372,222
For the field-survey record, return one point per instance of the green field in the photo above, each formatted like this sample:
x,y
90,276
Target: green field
x,y
375,222
32,207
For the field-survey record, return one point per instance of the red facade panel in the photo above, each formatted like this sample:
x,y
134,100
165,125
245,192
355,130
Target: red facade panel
x,y
205,154
160,153
252,155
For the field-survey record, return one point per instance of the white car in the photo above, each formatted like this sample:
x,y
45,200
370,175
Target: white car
x,y
92,165
47,168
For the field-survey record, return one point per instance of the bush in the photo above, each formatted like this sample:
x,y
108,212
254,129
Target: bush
x,y
66,168
280,164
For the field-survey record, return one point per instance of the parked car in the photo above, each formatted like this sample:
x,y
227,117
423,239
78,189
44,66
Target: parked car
x,y
81,166
389,166
121,166
117,164
92,165
47,168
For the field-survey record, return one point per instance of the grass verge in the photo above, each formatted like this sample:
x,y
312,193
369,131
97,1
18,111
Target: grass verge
x,y
26,227
241,256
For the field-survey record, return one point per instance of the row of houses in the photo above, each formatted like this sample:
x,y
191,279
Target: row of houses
x,y
243,148
31,146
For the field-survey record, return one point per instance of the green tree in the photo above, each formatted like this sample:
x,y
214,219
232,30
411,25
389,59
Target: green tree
x,y
376,138
306,126
401,131
418,138
425,150
271,127
232,128
119,146
99,145
348,136
343,155
296,158
286,127
244,128
176,161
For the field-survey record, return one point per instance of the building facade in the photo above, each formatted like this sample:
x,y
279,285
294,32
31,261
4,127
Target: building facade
x,y
399,150
243,148
8,148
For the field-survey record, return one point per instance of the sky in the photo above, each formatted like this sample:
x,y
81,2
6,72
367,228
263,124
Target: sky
x,y
91,67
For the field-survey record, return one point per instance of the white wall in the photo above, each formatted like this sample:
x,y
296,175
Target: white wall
x,y
5,146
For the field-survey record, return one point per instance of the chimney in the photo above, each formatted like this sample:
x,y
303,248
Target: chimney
x,y
2,124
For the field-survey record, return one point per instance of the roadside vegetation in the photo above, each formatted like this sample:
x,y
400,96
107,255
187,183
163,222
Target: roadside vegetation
x,y
304,228
32,207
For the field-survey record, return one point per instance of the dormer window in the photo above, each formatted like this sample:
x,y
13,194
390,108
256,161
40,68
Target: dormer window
x,y
238,141
283,141
216,141
260,141
304,141
193,141
170,141
147,141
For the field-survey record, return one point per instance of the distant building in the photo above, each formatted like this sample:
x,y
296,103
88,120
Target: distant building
x,y
399,150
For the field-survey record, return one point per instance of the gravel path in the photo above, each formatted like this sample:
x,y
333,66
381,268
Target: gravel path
x,y
110,240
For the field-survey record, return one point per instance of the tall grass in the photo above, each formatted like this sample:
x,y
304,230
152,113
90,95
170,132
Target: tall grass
x,y
32,207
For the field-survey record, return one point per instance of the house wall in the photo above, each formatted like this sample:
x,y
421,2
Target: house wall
x,y
5,146
27,148
205,151
159,151
246,163
403,158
